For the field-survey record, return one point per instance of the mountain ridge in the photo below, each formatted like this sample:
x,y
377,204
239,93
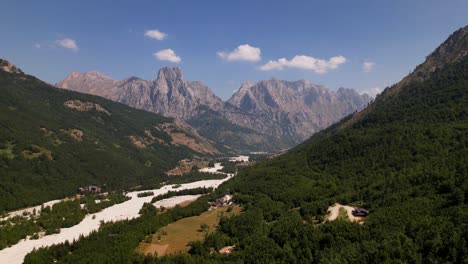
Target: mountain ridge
x,y
54,140
452,50
302,107
169,94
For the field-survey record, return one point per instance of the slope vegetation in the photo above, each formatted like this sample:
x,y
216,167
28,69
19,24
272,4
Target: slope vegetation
x,y
53,141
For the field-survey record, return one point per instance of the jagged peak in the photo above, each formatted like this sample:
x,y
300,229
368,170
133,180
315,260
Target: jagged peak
x,y
133,79
297,84
96,74
9,67
89,74
170,73
346,90
453,49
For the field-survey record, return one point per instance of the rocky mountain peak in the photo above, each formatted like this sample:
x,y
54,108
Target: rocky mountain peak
x,y
92,82
452,50
295,109
96,74
170,73
9,67
91,76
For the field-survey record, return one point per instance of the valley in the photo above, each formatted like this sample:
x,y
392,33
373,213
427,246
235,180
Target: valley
x,y
266,132
401,160
91,222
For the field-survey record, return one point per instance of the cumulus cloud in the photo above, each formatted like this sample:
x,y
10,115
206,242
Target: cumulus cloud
x,y
373,92
155,34
242,53
305,62
367,66
167,55
67,43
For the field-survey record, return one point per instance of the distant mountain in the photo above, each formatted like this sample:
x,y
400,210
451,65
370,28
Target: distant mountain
x,y
53,141
169,95
172,96
266,115
296,109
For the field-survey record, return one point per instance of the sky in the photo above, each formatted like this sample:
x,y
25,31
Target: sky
x,y
364,45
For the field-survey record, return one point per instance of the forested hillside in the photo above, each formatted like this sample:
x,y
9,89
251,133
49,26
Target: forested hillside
x,y
53,141
405,160
230,136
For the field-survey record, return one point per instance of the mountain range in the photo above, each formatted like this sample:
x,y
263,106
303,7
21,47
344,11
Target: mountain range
x,y
264,115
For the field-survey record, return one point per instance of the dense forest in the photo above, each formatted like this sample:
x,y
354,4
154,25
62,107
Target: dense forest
x,y
406,161
48,150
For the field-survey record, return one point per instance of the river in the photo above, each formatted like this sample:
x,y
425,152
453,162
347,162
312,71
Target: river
x,y
126,210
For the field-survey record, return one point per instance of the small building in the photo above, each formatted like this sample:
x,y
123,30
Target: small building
x,y
360,212
220,202
91,189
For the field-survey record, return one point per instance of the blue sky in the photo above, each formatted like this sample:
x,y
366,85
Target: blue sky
x,y
331,39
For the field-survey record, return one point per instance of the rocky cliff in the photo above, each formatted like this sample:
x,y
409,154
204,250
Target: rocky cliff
x,y
269,115
296,109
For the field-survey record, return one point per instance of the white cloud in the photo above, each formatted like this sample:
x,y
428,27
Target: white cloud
x,y
242,53
373,92
167,55
155,34
67,43
305,62
367,66
37,45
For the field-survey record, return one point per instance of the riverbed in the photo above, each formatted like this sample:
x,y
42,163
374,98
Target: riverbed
x,y
126,210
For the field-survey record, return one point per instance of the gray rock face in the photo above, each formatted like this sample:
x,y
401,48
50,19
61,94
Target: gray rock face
x,y
168,95
289,111
296,109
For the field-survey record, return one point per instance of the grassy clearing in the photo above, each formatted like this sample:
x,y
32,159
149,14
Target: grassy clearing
x,y
175,237
36,151
6,150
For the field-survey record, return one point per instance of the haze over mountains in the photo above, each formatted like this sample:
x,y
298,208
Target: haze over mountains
x,y
266,115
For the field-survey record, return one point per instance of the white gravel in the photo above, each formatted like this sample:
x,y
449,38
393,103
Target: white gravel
x,y
126,210
30,210
173,201
216,169
239,159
